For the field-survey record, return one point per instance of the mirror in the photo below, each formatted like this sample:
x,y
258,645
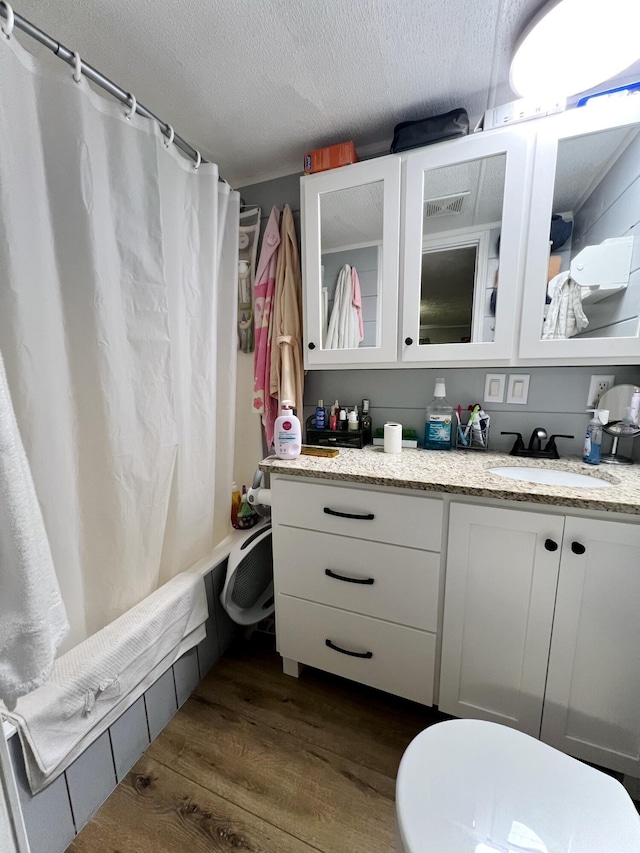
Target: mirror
x,y
351,227
461,222
593,277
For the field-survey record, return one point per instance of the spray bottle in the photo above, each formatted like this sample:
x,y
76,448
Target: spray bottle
x,y
287,433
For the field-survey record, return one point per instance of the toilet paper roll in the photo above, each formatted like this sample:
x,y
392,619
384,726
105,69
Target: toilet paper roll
x,y
393,438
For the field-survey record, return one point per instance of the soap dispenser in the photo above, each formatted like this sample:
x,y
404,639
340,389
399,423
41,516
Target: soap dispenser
x,y
287,433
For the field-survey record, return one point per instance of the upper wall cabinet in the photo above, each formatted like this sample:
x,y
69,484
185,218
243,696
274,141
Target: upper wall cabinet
x,y
464,231
582,283
350,238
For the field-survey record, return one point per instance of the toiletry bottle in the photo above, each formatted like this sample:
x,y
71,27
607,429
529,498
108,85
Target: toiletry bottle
x,y
353,421
438,420
342,419
333,419
235,505
365,423
593,441
635,405
247,516
320,415
287,439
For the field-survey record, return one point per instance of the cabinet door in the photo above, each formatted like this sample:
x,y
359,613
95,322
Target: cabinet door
x,y
464,230
587,176
592,700
502,571
351,222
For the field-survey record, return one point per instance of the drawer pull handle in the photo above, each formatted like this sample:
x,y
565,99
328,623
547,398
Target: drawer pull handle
x,y
577,548
550,545
331,574
367,655
369,516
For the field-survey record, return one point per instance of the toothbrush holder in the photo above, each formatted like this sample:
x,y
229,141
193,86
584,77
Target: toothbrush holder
x,y
471,436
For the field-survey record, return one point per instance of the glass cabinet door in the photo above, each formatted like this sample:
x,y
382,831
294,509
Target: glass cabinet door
x,y
464,232
351,226
582,284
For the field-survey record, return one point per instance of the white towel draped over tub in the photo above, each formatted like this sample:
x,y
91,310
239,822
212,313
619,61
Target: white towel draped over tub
x,y
93,683
33,621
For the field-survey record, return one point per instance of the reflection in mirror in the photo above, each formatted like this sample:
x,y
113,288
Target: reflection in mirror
x,y
351,226
462,217
619,407
593,278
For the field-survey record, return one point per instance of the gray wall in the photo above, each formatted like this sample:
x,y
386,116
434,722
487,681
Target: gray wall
x,y
557,395
557,398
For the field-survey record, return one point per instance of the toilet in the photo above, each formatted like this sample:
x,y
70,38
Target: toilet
x,y
469,786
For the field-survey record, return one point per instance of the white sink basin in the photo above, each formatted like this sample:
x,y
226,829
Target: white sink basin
x,y
550,477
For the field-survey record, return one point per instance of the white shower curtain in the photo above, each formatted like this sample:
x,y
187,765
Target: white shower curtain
x,y
118,279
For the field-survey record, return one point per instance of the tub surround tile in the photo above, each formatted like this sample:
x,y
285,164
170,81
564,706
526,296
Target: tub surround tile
x,y
226,630
129,738
90,780
208,650
466,473
160,703
187,675
47,814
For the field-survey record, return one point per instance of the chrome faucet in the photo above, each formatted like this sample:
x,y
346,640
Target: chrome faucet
x,y
535,450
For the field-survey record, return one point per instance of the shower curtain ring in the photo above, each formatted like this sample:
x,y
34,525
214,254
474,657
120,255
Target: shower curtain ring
x,y
7,27
77,74
196,165
167,142
134,104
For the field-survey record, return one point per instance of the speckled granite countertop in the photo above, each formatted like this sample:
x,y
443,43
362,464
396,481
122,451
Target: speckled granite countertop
x,y
464,473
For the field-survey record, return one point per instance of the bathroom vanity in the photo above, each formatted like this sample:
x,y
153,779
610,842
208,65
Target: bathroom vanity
x,y
427,576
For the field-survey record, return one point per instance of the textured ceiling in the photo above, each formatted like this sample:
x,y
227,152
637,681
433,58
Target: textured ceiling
x,y
254,85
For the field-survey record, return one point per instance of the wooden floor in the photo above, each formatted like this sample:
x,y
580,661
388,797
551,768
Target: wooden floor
x,y
260,762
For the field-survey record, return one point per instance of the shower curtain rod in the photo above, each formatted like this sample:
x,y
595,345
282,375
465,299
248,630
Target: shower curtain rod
x,y
69,57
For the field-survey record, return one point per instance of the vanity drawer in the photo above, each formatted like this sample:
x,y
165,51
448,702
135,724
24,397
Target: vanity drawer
x,y
401,583
399,660
398,519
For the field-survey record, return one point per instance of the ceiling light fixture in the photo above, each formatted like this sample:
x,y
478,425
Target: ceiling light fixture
x,y
572,45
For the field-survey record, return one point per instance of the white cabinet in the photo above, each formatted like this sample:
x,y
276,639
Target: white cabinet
x,y
592,699
464,236
502,571
565,668
586,171
351,220
428,274
462,240
357,583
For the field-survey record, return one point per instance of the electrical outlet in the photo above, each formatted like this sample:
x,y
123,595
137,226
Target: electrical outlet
x,y
597,387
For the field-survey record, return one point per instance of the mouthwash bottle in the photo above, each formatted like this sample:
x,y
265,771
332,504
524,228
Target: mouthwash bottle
x,y
438,421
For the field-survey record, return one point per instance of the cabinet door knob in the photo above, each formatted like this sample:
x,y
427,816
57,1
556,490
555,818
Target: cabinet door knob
x,y
550,545
577,548
408,341
311,345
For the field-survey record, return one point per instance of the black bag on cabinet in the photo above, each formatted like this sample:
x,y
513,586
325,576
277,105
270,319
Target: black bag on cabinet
x,y
425,131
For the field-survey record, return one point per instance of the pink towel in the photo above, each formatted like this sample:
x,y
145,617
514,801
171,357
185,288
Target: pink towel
x,y
356,299
263,402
